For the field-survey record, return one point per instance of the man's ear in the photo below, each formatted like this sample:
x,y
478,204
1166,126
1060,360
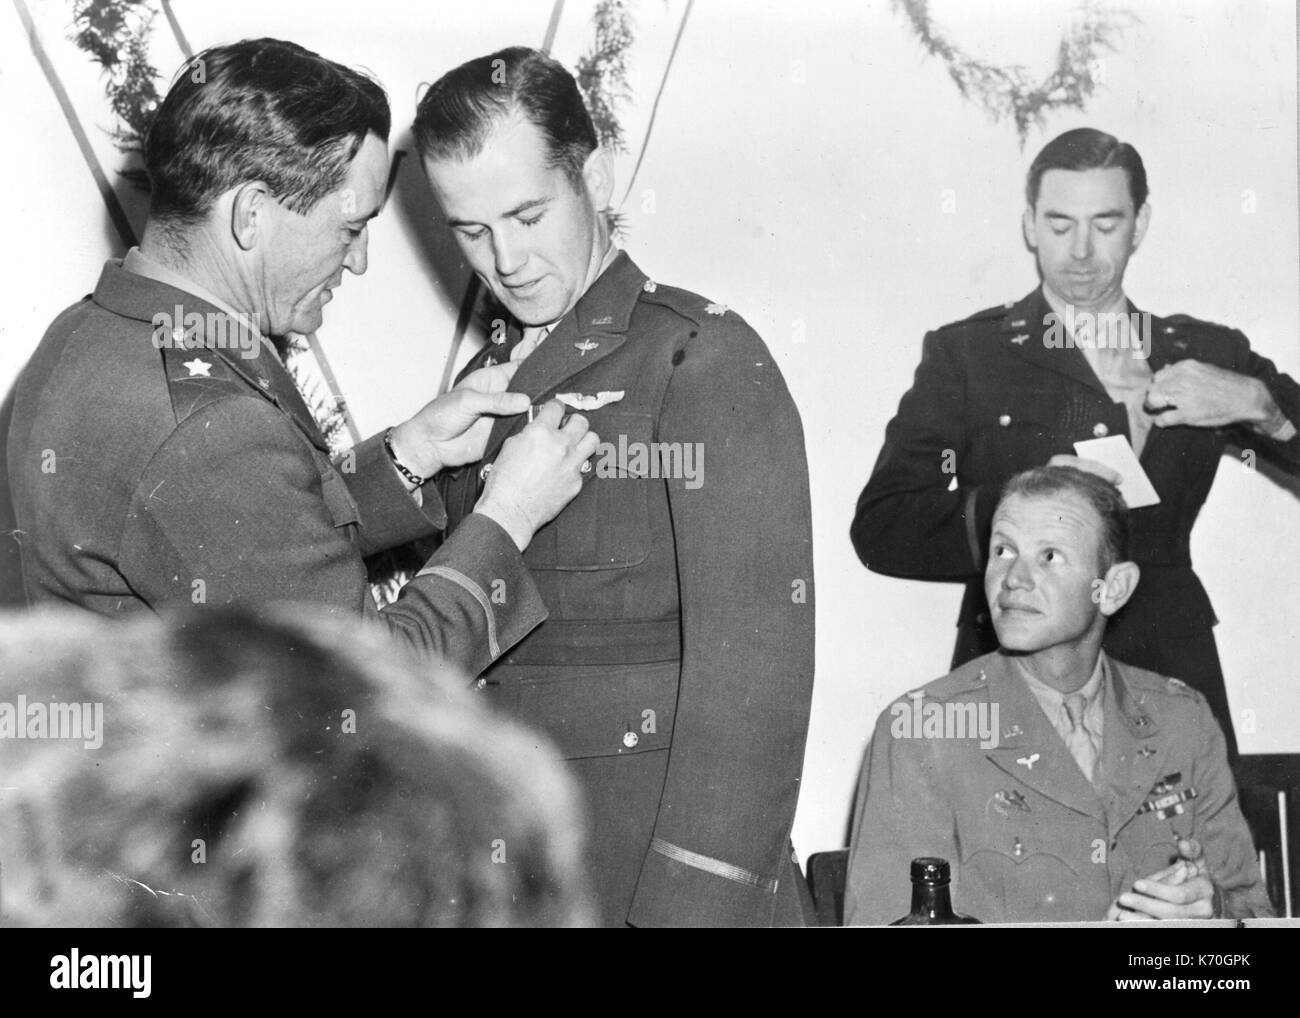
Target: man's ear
x,y
1027,224
249,213
598,177
1117,586
1140,226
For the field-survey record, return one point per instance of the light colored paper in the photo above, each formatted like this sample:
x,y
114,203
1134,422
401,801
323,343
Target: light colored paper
x,y
1115,452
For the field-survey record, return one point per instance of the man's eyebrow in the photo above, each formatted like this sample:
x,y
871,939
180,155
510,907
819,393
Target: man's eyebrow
x,y
528,206
1106,214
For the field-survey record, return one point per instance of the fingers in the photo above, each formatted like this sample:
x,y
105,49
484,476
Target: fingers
x,y
550,415
1192,898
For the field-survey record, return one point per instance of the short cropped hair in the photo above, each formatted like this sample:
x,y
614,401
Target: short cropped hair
x,y
281,769
461,108
1102,496
261,109
1086,148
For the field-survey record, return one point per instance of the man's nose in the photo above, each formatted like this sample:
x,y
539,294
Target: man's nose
x,y
356,259
1081,244
508,253
1019,576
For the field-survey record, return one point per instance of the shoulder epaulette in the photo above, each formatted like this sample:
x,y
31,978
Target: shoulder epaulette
x,y
198,378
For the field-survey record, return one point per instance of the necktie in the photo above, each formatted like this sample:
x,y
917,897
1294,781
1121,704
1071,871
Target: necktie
x,y
531,340
1081,742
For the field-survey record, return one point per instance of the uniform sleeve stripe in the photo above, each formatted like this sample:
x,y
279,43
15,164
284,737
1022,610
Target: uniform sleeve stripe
x,y
710,865
460,579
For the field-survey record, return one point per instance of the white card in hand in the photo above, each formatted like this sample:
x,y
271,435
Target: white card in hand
x,y
1115,452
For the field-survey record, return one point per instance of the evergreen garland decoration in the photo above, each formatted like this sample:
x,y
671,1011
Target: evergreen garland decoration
x,y
602,80
1008,91
116,35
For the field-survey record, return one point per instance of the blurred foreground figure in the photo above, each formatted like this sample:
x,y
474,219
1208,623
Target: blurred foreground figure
x,y
212,769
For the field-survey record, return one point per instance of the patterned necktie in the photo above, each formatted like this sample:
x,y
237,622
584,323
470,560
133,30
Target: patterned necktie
x,y
1081,742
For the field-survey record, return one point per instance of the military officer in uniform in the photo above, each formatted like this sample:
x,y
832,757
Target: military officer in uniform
x,y
1060,783
159,452
1005,390
675,670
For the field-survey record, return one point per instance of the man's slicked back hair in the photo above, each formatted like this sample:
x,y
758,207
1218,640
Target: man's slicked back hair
x,y
261,109
461,108
1086,148
1104,497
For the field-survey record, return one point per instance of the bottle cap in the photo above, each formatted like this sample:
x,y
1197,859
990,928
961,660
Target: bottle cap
x,y
930,870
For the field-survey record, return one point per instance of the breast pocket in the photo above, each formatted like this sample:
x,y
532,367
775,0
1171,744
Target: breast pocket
x,y
607,525
1014,429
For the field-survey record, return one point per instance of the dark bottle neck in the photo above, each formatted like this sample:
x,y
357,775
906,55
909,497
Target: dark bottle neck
x,y
931,900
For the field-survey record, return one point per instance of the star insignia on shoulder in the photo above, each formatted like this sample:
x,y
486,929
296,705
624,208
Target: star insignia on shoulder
x,y
649,286
198,368
1020,340
714,308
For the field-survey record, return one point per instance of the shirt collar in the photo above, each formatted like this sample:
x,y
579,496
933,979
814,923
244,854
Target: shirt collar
x,y
141,264
1053,701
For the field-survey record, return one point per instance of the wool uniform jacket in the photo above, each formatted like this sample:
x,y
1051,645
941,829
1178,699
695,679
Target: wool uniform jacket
x,y
1028,836
991,398
675,671
146,474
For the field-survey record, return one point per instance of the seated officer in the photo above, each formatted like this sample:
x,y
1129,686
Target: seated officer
x,y
1060,784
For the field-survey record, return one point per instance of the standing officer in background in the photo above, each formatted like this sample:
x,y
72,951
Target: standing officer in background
x,y
675,671
159,452
1003,391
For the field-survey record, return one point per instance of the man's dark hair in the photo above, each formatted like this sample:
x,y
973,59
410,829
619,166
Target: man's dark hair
x,y
1086,148
261,109
462,107
1104,497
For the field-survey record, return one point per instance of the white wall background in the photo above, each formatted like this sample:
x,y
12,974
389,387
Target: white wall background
x,y
797,172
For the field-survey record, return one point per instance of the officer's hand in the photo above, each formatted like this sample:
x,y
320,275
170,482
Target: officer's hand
x,y
454,428
1180,891
538,473
1206,396
1091,466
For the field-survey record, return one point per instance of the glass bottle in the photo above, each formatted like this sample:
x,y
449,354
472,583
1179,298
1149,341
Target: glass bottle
x,y
931,900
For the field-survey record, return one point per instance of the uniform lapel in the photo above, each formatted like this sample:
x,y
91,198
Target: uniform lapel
x,y
1031,751
1132,750
595,328
1025,332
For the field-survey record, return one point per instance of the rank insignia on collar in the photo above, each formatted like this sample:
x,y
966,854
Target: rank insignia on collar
x,y
1012,732
585,347
603,320
649,286
714,308
1019,323
198,368
1028,761
1020,340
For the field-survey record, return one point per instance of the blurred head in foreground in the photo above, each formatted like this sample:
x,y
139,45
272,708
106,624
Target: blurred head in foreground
x,y
253,773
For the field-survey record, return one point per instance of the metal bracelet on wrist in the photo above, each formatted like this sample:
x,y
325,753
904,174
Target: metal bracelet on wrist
x,y
410,475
